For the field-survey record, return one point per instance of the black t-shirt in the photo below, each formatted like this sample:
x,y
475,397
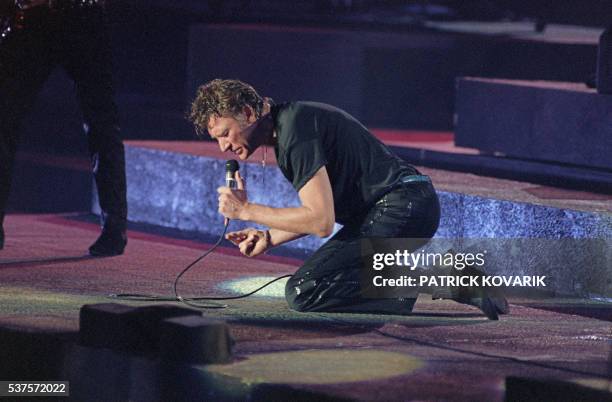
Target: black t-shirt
x,y
360,167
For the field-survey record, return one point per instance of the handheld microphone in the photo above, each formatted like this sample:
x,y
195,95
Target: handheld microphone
x,y
231,167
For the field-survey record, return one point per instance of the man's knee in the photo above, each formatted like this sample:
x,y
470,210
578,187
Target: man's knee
x,y
295,294
291,293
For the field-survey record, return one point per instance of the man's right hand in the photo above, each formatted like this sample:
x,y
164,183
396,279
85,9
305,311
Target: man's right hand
x,y
251,241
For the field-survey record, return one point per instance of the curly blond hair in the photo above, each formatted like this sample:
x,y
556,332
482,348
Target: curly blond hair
x,y
223,98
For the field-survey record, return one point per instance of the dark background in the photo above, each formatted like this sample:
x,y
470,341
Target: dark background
x,y
377,59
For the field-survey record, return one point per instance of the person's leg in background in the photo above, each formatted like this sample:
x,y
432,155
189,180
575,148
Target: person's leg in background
x,y
26,60
87,56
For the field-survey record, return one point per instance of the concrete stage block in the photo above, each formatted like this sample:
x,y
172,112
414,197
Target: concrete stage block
x,y
179,190
549,121
471,216
135,330
170,187
195,340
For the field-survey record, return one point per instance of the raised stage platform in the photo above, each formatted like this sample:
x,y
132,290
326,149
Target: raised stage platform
x,y
173,184
558,122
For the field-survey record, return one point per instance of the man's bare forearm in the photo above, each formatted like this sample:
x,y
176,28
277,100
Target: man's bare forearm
x,y
298,220
278,237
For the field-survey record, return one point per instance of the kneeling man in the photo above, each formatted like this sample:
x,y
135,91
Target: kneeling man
x,y
342,174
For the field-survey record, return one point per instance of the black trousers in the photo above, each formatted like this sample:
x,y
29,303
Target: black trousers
x,y
77,40
330,279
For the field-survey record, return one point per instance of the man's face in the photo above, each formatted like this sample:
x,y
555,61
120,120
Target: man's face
x,y
234,134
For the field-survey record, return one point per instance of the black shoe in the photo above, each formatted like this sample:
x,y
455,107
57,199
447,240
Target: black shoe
x,y
494,295
478,297
408,305
500,303
111,242
490,301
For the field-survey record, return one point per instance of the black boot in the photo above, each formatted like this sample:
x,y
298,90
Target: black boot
x,y
109,172
474,296
484,298
113,239
489,300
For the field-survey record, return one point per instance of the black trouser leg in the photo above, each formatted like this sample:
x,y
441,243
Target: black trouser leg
x,y
108,161
86,56
329,282
88,61
25,64
330,279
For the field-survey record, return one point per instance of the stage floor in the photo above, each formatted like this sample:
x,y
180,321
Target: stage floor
x,y
442,351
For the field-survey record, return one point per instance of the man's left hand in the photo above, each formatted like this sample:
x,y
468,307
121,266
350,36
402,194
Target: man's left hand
x,y
251,241
232,202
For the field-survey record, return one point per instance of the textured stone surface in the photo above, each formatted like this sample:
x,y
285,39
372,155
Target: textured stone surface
x,y
464,215
178,190
571,248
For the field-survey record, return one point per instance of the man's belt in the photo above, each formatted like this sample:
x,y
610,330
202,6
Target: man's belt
x,y
416,178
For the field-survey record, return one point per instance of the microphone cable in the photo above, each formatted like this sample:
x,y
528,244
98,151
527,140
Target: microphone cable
x,y
194,301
